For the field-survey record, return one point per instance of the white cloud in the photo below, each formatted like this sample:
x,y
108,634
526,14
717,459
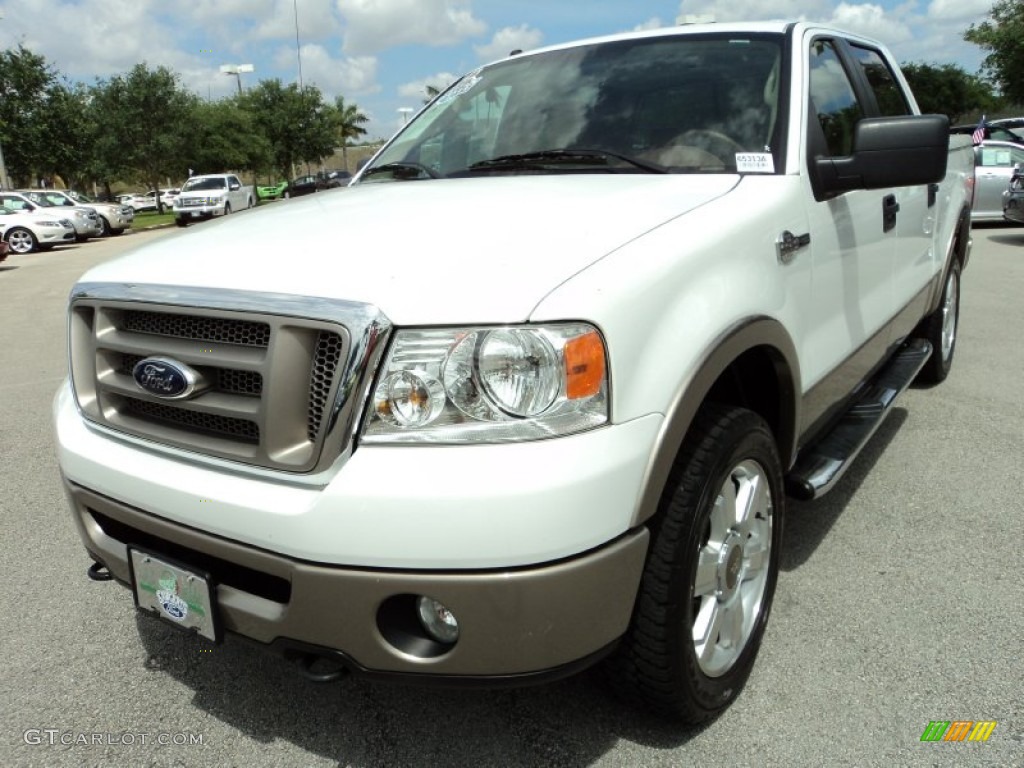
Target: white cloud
x,y
372,26
965,10
754,10
871,21
522,38
417,89
654,23
347,75
316,21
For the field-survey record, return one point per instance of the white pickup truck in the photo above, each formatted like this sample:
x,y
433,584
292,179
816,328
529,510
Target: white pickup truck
x,y
215,194
601,308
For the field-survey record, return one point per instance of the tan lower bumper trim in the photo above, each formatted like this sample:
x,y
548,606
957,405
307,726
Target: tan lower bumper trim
x,y
512,622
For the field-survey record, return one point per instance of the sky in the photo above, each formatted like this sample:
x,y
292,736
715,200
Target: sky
x,y
380,54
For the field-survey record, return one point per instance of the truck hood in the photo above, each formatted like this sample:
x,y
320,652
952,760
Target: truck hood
x,y
479,250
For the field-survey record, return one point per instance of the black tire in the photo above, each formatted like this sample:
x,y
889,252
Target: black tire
x,y
181,222
657,663
116,232
107,231
227,209
940,329
21,240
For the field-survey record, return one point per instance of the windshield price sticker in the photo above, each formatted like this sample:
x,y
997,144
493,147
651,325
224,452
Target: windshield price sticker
x,y
755,162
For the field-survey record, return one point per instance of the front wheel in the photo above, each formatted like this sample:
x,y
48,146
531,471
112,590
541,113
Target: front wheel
x,y
940,329
227,209
710,575
107,231
181,222
21,240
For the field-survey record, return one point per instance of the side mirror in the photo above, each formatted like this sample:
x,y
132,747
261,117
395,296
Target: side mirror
x,y
234,187
889,152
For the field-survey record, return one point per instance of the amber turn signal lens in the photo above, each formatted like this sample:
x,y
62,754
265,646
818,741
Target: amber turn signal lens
x,y
584,366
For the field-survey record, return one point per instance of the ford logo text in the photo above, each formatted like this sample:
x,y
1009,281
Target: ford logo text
x,y
165,378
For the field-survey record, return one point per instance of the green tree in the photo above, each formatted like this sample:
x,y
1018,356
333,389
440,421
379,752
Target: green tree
x,y
69,134
947,89
349,122
24,81
225,137
146,124
296,123
1002,36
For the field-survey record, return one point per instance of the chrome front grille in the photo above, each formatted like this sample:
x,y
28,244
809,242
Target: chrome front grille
x,y
198,328
282,383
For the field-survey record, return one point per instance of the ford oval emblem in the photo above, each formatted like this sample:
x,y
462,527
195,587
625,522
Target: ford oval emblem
x,y
165,378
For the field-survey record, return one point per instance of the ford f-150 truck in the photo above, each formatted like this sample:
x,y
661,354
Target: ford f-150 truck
x,y
216,194
600,309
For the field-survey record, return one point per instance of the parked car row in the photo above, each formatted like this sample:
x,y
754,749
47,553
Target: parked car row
x,y
146,201
305,185
38,219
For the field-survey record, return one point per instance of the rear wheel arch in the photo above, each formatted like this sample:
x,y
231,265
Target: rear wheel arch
x,y
754,366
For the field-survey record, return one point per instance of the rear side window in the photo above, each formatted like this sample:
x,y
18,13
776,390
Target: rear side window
x,y
890,97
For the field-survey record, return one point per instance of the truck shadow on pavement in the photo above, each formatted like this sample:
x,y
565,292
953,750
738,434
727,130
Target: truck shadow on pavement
x,y
808,522
361,723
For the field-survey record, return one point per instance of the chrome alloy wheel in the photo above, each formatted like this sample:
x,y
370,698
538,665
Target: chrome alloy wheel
x,y
949,313
21,241
732,569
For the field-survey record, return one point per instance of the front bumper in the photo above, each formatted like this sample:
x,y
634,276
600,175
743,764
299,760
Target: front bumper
x,y
514,623
55,236
198,211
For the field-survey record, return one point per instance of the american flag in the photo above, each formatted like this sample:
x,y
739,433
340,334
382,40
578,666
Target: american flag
x,y
979,133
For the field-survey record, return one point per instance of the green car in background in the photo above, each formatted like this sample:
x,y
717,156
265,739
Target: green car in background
x,y
272,192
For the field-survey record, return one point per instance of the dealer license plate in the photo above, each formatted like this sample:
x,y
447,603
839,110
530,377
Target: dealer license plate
x,y
175,593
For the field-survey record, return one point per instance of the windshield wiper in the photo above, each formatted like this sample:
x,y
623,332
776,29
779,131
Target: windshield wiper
x,y
404,170
535,161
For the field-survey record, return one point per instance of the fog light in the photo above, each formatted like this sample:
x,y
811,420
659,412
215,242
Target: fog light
x,y
437,620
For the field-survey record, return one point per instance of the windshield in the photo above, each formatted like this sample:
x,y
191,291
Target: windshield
x,y
200,184
80,197
682,104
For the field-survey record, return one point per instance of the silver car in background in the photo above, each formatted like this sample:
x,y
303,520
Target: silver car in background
x,y
994,162
85,220
115,218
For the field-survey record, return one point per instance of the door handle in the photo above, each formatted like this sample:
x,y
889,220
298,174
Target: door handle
x,y
889,210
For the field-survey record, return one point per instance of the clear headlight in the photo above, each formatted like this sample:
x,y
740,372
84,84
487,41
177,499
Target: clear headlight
x,y
490,385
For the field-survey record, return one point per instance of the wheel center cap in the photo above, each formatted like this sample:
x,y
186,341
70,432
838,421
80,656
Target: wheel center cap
x,y
730,565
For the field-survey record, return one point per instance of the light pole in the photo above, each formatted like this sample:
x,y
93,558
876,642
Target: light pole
x,y
405,112
4,181
236,70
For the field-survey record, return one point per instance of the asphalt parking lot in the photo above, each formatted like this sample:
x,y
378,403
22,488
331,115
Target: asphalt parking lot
x,y
899,602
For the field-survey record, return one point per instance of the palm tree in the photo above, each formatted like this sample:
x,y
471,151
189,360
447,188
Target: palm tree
x,y
348,124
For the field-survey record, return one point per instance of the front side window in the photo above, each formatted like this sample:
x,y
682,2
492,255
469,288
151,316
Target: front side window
x,y
833,99
684,104
999,157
